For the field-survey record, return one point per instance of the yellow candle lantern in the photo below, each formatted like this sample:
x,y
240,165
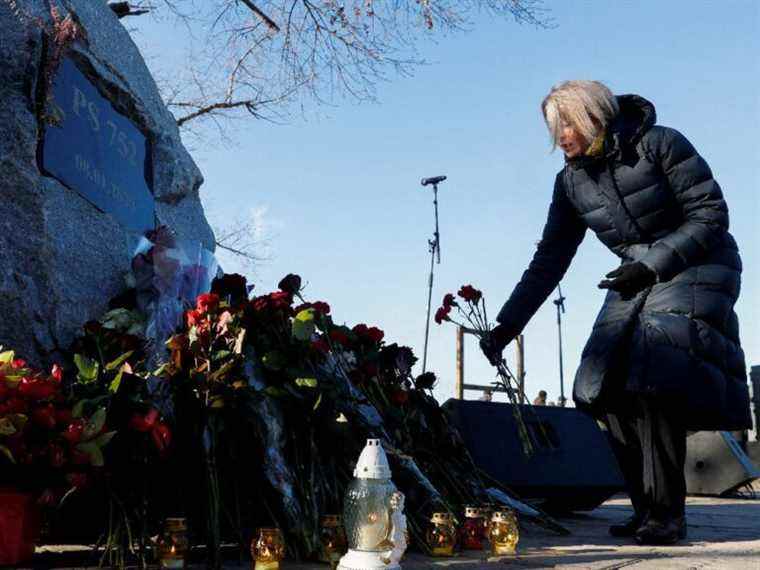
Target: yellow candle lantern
x,y
173,546
268,549
442,534
504,532
332,536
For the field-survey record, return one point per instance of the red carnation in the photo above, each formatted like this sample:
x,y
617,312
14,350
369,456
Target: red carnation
x,y
340,337
448,300
375,334
442,314
469,293
360,329
44,416
193,318
321,307
207,302
161,436
77,480
321,345
400,397
281,299
291,284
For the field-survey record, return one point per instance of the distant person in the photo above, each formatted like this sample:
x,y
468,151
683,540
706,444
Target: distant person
x,y
487,395
540,400
664,354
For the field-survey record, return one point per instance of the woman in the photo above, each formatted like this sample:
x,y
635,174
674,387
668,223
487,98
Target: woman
x,y
664,354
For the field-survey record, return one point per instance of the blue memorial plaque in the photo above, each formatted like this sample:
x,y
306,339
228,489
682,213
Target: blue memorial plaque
x,y
98,152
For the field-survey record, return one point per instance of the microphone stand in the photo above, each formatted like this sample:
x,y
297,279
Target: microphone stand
x,y
434,246
559,302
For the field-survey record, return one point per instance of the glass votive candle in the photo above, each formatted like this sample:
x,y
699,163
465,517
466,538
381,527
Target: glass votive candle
x,y
332,537
268,549
173,545
442,534
474,530
504,532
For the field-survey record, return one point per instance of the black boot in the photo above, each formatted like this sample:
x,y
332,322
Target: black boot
x,y
629,527
656,532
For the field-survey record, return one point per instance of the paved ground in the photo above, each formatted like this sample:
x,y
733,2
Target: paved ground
x,y
723,533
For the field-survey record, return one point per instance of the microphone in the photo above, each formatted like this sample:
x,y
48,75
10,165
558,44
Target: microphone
x,y
433,180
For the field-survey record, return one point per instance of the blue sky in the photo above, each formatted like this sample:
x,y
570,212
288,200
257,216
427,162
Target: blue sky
x,y
338,195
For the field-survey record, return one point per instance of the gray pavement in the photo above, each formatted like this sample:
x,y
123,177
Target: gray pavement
x,y
723,533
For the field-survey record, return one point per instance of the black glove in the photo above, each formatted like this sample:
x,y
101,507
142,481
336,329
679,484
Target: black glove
x,y
629,279
495,341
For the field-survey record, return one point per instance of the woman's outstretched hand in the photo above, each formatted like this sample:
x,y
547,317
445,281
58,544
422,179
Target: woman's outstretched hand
x,y
495,341
629,279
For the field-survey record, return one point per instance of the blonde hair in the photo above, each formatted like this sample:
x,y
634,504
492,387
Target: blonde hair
x,y
588,106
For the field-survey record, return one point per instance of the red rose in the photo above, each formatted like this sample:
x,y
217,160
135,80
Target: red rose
x,y
207,302
17,406
73,433
44,416
469,293
56,373
36,389
19,363
442,314
3,389
161,436
63,416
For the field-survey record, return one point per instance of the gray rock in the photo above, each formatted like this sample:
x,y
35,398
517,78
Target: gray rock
x,y
62,258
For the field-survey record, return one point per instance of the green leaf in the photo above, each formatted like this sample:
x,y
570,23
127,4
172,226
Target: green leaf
x,y
275,392
220,355
306,382
103,439
6,427
78,409
114,364
316,404
88,369
303,324
93,451
122,319
7,357
7,452
273,360
113,387
161,370
94,424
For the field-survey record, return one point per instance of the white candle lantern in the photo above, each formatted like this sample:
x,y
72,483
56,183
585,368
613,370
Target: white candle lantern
x,y
373,514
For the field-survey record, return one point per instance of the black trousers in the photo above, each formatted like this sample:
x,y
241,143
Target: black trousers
x,y
650,445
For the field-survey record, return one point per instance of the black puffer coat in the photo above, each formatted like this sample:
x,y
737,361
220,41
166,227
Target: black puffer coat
x,y
651,198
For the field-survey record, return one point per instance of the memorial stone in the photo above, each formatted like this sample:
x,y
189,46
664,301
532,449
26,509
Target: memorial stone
x,y
88,161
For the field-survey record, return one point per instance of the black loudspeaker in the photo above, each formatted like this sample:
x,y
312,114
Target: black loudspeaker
x,y
573,466
716,464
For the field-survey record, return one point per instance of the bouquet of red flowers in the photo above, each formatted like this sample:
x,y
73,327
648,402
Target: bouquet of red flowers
x,y
473,318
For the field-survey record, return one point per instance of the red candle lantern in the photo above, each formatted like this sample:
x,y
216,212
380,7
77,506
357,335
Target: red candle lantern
x,y
474,530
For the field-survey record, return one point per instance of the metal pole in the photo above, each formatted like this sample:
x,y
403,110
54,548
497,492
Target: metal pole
x,y
435,251
560,303
459,383
754,376
521,368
